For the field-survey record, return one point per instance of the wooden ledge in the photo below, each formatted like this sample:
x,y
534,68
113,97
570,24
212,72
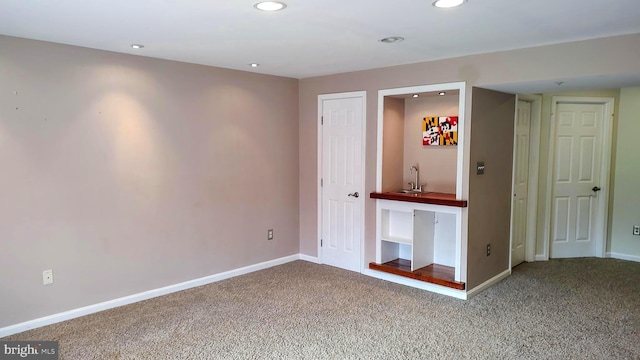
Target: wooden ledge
x,y
434,273
424,198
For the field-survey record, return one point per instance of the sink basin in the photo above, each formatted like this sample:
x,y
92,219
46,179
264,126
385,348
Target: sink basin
x,y
405,191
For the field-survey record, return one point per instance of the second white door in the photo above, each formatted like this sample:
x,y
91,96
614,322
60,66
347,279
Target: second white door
x,y
520,183
342,181
576,179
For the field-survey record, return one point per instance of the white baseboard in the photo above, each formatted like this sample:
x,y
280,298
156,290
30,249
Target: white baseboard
x,y
541,258
439,289
308,258
71,314
622,256
612,255
476,290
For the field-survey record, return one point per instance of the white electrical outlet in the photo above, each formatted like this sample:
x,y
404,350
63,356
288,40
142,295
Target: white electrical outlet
x,y
270,234
47,277
636,229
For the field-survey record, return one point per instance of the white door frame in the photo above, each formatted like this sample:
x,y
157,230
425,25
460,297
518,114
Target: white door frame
x,y
321,98
461,175
605,167
534,164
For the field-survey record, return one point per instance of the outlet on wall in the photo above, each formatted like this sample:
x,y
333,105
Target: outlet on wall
x,y
47,277
270,234
636,229
488,249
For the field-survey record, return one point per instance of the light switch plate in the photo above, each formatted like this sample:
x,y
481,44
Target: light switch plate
x,y
480,168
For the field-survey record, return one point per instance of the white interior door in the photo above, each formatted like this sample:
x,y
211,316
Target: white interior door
x,y
342,181
576,179
520,183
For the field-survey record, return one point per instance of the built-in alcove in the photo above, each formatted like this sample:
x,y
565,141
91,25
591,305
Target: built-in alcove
x,y
400,145
417,237
403,142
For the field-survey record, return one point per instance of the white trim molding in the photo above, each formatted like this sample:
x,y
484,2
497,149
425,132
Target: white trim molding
x,y
541,257
494,280
619,256
438,289
461,87
145,295
443,290
311,259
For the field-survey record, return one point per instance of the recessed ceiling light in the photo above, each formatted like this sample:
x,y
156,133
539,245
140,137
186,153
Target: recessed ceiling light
x,y
137,46
442,93
254,65
391,39
415,95
448,3
270,5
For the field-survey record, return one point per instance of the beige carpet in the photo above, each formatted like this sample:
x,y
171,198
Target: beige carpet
x,y
561,309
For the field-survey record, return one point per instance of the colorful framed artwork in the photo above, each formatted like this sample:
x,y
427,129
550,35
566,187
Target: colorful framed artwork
x,y
440,130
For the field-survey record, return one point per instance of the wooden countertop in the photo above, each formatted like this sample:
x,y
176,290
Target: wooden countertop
x,y
435,198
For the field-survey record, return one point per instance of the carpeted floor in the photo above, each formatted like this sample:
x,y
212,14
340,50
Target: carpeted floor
x,y
560,309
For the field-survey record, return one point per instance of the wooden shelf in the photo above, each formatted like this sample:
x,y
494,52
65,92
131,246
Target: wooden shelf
x,y
434,273
424,198
398,240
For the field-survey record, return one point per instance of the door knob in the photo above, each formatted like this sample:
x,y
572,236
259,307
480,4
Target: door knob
x,y
595,189
355,195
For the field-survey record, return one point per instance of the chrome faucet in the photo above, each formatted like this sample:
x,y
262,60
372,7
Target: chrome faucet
x,y
415,186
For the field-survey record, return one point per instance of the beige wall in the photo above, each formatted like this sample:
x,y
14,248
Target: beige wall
x,y
437,164
591,58
491,141
393,140
125,174
626,196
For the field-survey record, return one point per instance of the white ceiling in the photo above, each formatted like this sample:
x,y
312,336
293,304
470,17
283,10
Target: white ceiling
x,y
314,37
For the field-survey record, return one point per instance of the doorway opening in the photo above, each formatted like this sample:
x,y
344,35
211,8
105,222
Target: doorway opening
x,y
578,176
525,178
341,179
